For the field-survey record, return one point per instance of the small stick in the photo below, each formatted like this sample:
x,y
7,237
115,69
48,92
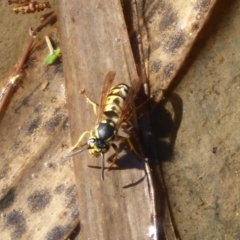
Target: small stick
x,y
11,86
53,55
49,44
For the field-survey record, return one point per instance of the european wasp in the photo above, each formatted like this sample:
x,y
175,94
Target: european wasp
x,y
115,110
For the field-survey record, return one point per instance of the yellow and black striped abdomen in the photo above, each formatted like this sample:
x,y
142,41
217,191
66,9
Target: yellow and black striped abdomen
x,y
115,102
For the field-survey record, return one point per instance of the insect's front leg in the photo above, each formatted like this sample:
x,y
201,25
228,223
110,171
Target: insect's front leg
x,y
80,139
116,149
95,105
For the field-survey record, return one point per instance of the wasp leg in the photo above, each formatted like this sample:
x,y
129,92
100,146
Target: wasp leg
x,y
80,139
95,105
133,149
115,157
129,130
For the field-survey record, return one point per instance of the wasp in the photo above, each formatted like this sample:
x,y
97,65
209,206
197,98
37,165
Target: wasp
x,y
116,108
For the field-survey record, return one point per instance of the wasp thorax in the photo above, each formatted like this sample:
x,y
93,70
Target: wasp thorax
x,y
105,131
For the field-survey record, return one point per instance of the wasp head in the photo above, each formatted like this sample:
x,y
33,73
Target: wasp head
x,y
97,146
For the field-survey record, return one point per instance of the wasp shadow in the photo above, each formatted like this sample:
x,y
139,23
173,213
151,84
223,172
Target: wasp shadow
x,y
127,159
165,124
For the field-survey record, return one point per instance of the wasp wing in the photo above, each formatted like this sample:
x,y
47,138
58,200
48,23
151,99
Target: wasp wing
x,y
129,109
106,87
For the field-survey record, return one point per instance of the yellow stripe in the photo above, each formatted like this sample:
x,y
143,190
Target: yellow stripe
x,y
115,102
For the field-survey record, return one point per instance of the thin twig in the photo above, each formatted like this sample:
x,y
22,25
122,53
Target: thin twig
x,y
13,80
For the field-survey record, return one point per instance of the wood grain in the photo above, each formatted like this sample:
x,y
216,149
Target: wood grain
x,y
95,41
169,30
37,185
105,47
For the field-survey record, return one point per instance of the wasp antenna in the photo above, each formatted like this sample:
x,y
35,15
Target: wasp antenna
x,y
76,152
103,166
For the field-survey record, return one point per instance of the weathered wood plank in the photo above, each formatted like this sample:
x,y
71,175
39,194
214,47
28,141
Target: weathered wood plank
x,y
26,173
169,30
95,41
36,182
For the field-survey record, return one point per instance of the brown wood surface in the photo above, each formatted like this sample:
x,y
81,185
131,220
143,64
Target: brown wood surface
x,y
203,178
37,183
94,44
95,41
169,30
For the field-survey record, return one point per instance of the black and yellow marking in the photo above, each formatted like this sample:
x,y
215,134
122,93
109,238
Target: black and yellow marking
x,y
110,117
115,102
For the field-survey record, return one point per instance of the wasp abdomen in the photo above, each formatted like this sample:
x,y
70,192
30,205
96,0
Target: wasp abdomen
x,y
115,102
120,90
